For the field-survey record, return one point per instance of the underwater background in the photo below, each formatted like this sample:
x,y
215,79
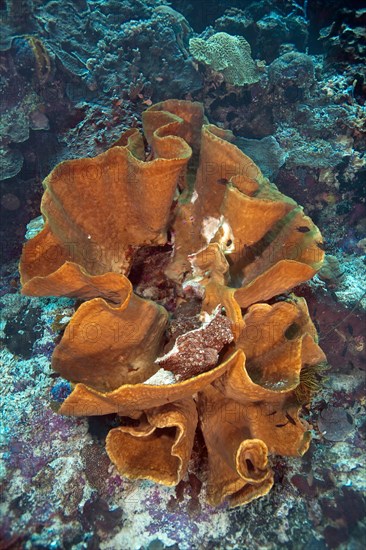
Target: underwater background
x,y
74,75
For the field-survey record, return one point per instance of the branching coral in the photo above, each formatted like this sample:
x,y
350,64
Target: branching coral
x,y
208,354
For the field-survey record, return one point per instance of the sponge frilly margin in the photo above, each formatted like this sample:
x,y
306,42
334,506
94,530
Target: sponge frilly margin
x,y
234,260
158,449
99,210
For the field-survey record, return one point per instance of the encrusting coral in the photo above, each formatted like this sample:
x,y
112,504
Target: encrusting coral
x,y
208,354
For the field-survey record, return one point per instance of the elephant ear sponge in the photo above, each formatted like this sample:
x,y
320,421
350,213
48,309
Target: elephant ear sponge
x,y
226,54
174,252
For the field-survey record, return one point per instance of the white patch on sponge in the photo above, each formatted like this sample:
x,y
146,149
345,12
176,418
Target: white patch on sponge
x,y
210,226
161,378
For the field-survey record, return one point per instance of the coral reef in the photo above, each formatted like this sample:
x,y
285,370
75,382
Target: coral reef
x,y
317,119
68,91
293,74
345,39
268,31
60,81
222,260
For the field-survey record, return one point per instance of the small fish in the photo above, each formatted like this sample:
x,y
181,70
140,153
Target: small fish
x,y
281,425
303,229
321,246
290,419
